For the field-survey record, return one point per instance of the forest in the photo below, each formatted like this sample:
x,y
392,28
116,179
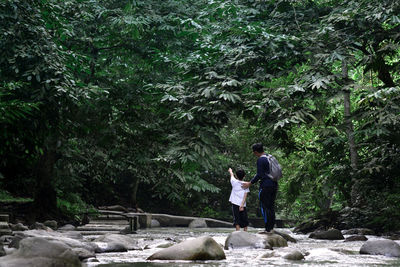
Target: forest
x,y
147,103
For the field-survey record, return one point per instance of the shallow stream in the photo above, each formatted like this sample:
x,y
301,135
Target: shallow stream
x,y
318,252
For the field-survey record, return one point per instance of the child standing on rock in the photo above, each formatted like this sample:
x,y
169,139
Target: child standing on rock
x,y
238,200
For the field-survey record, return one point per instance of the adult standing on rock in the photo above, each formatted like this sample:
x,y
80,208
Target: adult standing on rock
x,y
268,188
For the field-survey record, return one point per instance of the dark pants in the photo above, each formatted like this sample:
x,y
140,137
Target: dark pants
x,y
267,197
239,217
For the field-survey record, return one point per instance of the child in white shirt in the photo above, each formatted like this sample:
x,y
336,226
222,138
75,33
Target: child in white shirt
x,y
238,199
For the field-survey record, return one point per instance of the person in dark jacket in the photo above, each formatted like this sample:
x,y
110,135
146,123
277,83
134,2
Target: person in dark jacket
x,y
268,188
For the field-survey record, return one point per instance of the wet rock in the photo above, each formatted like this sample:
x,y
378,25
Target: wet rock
x,y
40,226
155,223
111,247
201,248
15,241
267,255
165,245
36,251
331,234
293,255
274,240
387,248
52,224
18,227
356,238
2,252
67,227
242,239
198,223
286,236
129,242
358,231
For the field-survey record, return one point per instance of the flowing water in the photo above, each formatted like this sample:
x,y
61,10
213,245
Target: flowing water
x,y
318,252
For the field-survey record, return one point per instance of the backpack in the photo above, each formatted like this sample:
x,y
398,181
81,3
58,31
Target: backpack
x,y
275,170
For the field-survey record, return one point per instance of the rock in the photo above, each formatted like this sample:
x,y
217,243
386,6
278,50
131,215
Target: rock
x,y
126,240
111,247
242,239
387,248
358,231
331,234
2,252
155,223
267,255
165,245
287,237
356,238
15,241
84,253
67,227
40,226
18,227
37,251
201,248
294,255
65,238
198,223
114,208
52,224
274,240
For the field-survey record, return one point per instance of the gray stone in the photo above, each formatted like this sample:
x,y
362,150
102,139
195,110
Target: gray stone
x,y
67,227
129,242
18,227
293,255
286,236
40,226
201,248
36,251
242,239
274,240
358,231
387,248
52,224
111,247
155,223
356,238
2,252
198,223
267,255
331,234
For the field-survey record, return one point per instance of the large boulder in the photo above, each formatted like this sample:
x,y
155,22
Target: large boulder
x,y
358,231
242,239
293,255
387,248
286,236
201,248
127,241
39,252
356,238
198,223
72,239
275,240
331,234
18,227
52,224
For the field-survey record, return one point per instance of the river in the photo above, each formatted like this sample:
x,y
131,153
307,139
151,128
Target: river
x,y
318,252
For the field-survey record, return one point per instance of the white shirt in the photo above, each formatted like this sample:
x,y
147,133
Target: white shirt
x,y
237,193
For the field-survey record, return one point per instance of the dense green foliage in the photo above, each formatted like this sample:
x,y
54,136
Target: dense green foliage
x,y
145,102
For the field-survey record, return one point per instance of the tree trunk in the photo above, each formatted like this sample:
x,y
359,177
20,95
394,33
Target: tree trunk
x,y
135,186
350,137
45,198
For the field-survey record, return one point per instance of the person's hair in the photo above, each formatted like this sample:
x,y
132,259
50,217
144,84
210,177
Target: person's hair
x,y
240,174
258,147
